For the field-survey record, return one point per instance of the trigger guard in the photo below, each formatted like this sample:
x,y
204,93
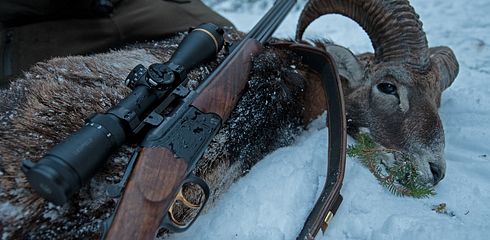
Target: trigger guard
x,y
201,183
167,222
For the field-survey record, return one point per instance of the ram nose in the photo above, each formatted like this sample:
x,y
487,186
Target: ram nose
x,y
431,165
438,172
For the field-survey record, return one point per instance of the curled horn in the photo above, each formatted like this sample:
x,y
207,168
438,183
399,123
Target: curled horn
x,y
392,25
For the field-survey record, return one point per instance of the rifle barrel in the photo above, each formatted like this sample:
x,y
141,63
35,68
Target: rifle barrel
x,y
261,32
283,9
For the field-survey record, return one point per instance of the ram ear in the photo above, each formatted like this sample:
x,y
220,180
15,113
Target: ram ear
x,y
445,64
348,65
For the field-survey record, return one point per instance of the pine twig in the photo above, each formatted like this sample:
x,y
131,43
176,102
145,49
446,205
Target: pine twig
x,y
401,179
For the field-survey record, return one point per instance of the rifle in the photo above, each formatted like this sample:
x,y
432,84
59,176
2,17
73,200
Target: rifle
x,y
70,164
174,141
170,151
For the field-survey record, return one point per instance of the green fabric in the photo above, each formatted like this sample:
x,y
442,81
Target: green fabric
x,y
131,20
18,12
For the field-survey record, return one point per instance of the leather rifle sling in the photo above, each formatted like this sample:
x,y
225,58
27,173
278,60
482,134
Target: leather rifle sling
x,y
321,63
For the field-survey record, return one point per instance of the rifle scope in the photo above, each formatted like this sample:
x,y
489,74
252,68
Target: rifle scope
x,y
71,163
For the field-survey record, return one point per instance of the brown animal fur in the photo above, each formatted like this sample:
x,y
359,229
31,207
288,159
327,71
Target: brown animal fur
x,y
53,99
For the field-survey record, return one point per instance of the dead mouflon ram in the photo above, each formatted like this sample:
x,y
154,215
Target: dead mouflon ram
x,y
394,93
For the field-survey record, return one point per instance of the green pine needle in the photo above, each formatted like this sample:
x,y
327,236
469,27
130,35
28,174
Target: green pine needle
x,y
400,179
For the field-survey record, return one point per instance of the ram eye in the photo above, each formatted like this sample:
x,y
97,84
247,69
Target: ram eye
x,y
387,88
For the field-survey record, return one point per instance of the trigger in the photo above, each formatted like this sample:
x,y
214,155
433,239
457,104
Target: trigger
x,y
180,197
170,222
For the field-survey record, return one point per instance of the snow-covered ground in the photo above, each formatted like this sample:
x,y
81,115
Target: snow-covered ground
x,y
272,201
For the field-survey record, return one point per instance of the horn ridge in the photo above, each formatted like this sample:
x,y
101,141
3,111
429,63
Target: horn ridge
x,y
392,25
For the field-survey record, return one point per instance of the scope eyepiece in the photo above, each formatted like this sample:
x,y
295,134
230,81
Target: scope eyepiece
x,y
70,164
53,180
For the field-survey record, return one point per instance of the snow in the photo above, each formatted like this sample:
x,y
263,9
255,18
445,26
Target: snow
x,y
272,201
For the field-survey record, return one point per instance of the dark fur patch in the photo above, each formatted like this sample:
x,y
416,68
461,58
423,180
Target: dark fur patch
x,y
52,100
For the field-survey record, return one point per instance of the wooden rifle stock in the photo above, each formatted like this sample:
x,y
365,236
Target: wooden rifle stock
x,y
172,148
150,191
158,173
221,95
